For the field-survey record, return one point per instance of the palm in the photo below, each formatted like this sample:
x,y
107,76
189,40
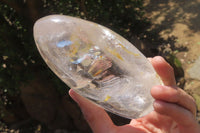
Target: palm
x,y
174,109
153,123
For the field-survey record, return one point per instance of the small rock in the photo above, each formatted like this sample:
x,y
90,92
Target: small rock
x,y
194,72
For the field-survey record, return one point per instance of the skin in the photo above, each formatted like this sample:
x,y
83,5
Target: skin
x,y
174,110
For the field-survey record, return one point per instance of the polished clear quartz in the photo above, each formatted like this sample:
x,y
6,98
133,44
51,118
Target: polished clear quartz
x,y
97,63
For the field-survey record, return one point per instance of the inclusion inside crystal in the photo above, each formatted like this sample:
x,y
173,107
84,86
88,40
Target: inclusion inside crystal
x,y
97,63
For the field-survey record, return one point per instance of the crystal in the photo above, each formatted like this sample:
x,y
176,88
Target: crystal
x,y
97,63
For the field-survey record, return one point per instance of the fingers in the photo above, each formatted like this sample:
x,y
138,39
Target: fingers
x,y
164,70
97,118
170,100
174,95
176,112
167,93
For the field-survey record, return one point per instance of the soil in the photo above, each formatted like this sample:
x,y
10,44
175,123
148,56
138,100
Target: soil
x,y
179,20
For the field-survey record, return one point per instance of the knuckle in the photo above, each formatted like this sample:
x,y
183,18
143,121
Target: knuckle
x,y
194,103
175,95
171,69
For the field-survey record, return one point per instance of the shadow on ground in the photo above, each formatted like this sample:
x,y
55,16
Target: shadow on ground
x,y
187,12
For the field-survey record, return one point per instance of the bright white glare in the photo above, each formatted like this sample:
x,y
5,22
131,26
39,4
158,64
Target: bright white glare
x,y
56,20
108,34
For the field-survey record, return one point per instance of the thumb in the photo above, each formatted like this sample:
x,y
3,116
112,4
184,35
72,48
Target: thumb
x,y
96,117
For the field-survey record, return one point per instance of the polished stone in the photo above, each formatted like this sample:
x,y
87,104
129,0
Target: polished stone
x,y
97,63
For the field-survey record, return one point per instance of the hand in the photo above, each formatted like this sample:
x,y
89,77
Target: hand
x,y
174,110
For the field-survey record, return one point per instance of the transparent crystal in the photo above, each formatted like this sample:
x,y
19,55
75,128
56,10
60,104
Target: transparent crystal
x,y
97,63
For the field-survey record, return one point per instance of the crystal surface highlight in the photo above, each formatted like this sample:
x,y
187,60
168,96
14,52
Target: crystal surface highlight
x,y
97,63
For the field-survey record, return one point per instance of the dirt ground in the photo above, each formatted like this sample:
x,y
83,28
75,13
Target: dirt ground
x,y
180,20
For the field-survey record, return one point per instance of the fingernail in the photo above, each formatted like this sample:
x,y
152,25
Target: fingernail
x,y
158,87
159,58
72,95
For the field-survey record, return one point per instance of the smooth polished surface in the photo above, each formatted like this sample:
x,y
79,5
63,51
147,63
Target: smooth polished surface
x,y
97,63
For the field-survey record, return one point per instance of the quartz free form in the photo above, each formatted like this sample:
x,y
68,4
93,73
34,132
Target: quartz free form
x,y
97,63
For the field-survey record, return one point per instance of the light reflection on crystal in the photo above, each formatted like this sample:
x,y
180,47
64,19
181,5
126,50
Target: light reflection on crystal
x,y
56,20
64,43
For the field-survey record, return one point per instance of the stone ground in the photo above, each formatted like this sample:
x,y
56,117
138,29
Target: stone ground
x,y
180,20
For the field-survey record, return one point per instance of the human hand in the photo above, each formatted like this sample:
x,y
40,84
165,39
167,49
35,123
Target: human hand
x,y
174,110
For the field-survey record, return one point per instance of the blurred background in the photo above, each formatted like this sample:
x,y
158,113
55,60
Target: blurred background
x,y
34,100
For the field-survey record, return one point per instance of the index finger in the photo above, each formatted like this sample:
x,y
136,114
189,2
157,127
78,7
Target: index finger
x,y
164,70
